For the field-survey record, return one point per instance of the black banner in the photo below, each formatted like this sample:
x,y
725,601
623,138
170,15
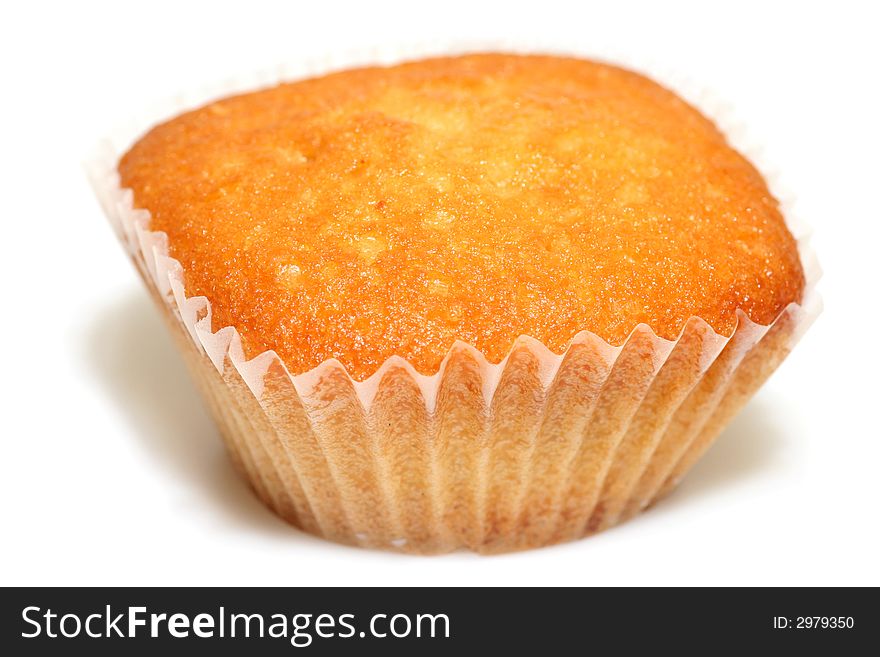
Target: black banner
x,y
113,621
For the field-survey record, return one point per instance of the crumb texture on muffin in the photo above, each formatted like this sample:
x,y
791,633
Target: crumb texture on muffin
x,y
392,211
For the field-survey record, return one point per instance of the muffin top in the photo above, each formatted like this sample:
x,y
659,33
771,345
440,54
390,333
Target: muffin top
x,y
392,211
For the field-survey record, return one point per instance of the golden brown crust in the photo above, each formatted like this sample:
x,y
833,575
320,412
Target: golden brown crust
x,y
392,211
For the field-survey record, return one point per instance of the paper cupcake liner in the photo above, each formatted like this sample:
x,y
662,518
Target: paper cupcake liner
x,y
537,449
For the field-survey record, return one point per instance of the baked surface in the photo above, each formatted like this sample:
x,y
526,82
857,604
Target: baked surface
x,y
394,210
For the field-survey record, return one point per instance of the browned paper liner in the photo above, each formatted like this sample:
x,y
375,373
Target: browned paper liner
x,y
537,449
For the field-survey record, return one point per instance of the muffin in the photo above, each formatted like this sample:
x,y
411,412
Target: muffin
x,y
490,301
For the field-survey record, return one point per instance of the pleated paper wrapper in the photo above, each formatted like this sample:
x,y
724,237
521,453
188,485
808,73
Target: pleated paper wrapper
x,y
535,450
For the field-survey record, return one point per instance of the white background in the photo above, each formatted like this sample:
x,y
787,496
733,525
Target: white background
x,y
112,471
